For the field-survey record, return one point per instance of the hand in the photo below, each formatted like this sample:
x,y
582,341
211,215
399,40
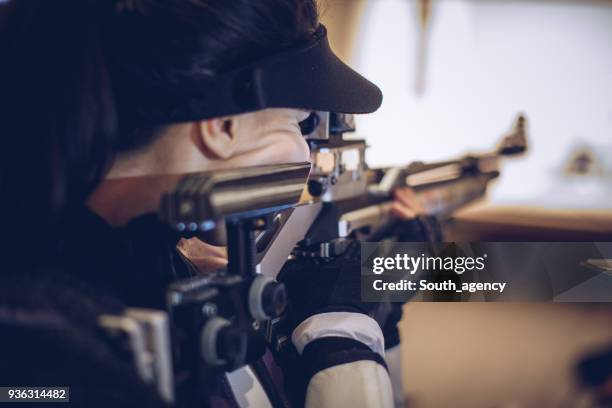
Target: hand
x,y
207,258
316,286
416,226
329,292
406,205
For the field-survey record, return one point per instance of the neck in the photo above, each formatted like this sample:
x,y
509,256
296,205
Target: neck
x,y
120,200
137,179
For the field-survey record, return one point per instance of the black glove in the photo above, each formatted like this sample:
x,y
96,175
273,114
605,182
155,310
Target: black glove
x,y
315,286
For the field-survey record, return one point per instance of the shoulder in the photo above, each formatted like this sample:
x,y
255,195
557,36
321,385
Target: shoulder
x,y
48,326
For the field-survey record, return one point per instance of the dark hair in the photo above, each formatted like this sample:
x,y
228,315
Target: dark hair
x,y
65,77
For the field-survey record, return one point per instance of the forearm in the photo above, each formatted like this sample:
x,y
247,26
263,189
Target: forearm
x,y
362,383
343,355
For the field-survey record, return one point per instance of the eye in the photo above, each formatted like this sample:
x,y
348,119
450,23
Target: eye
x,y
308,125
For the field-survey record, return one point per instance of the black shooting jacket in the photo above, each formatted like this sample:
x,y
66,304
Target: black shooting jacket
x,y
50,302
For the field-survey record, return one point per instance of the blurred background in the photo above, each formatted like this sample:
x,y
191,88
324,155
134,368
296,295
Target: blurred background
x,y
455,73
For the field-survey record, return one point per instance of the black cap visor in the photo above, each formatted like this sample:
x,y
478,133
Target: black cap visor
x,y
308,77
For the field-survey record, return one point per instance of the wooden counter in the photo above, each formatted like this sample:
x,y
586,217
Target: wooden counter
x,y
491,222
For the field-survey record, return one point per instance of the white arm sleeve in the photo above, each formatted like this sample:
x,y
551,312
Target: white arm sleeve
x,y
357,384
354,326
360,383
393,358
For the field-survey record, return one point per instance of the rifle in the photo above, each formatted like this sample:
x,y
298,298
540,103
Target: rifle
x,y
223,321
348,200
212,323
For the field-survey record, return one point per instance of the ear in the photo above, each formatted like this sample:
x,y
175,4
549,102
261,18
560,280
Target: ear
x,y
217,137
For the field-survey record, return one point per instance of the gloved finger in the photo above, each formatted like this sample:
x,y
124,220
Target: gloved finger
x,y
408,198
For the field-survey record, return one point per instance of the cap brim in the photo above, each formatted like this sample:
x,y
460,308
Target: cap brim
x,y
309,76
315,78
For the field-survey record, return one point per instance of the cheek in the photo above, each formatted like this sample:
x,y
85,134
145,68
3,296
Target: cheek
x,y
275,148
294,149
280,148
